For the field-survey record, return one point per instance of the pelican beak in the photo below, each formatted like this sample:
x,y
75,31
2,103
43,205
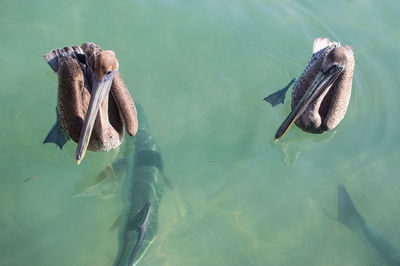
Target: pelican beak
x,y
100,90
322,82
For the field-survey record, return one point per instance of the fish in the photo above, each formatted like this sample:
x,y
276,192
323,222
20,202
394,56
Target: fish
x,y
142,191
352,219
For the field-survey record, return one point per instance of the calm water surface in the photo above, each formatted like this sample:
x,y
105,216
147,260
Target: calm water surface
x,y
201,69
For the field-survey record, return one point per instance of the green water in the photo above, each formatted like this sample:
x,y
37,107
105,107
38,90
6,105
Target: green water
x,y
201,69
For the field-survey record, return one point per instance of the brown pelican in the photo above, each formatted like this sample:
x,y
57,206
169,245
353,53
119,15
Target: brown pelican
x,y
321,95
93,103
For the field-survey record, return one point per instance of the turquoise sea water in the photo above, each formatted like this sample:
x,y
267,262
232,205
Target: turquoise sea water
x,y
201,69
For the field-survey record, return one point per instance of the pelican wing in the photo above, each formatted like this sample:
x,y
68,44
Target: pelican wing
x,y
53,56
319,47
320,43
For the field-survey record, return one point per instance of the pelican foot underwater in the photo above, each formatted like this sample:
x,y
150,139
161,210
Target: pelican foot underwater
x,y
351,218
321,94
93,104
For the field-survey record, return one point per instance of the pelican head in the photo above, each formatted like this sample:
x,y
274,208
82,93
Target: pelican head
x,y
321,95
105,62
105,67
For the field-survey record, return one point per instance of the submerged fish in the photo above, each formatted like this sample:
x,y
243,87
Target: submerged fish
x,y
351,218
143,188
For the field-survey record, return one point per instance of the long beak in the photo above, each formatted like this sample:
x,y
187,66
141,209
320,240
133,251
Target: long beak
x,y
321,82
100,90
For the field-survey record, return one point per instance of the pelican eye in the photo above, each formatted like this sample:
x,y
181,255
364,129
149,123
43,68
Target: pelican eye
x,y
109,72
334,68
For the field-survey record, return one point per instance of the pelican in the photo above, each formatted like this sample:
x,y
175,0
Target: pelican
x,y
321,94
93,104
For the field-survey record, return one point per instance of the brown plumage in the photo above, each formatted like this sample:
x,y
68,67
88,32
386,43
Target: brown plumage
x,y
94,105
321,95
